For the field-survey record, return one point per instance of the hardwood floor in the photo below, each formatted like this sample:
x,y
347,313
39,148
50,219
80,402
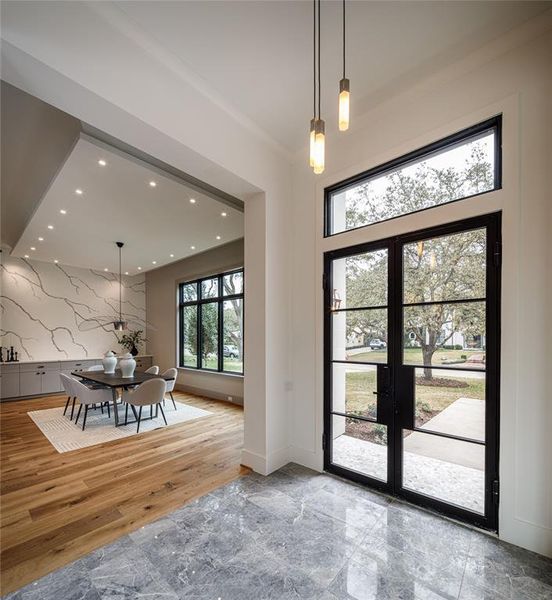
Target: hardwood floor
x,y
56,507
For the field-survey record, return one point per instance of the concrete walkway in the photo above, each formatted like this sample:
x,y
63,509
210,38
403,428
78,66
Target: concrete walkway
x,y
464,417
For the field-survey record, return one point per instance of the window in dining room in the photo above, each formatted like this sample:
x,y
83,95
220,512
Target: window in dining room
x,y
211,323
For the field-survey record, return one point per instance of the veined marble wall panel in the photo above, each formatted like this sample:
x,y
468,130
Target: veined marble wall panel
x,y
51,311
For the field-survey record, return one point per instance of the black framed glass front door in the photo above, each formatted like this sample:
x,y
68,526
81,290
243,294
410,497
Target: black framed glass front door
x,y
411,366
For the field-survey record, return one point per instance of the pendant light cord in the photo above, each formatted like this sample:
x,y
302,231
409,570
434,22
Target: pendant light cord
x,y
343,39
314,59
319,85
120,287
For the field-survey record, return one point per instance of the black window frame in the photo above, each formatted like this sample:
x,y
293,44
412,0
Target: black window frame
x,y
199,301
449,142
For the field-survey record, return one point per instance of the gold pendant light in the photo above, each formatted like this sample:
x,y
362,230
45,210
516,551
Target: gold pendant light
x,y
344,89
317,138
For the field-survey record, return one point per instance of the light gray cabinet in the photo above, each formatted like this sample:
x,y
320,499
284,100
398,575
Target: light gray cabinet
x,y
9,381
19,380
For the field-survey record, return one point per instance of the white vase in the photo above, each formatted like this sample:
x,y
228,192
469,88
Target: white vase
x,y
109,362
127,364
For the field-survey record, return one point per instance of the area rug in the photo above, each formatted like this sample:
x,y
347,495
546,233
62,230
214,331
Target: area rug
x,y
65,436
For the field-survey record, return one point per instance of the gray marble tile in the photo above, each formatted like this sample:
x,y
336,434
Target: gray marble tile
x,y
369,580
514,581
428,537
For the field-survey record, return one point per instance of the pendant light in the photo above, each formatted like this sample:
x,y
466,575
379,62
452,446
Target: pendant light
x,y
319,125
313,120
344,90
120,325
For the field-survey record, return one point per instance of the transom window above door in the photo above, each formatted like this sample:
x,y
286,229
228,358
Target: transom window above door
x,y
460,166
211,323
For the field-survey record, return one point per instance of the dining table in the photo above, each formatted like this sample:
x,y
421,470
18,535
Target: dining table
x,y
116,380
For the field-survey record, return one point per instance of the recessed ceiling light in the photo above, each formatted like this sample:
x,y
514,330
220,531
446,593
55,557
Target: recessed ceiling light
x,y
223,214
56,260
33,248
26,256
50,226
63,211
192,247
152,184
105,269
102,162
218,237
139,268
126,272
171,255
153,262
78,191
40,239
192,200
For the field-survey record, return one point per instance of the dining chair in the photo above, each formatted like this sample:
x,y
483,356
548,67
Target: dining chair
x,y
95,368
150,393
170,384
88,397
67,383
153,370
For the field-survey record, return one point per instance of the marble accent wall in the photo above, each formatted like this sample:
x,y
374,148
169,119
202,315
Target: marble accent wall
x,y
52,312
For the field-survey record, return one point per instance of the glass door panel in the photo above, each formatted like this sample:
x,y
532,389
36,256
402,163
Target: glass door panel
x,y
357,320
444,321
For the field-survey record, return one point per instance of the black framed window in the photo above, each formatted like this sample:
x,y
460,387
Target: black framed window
x,y
211,323
460,166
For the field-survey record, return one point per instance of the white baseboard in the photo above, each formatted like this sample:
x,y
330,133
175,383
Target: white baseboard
x,y
307,458
265,465
190,389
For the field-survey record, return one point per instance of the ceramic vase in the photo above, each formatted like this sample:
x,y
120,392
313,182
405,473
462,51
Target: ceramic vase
x,y
109,363
127,364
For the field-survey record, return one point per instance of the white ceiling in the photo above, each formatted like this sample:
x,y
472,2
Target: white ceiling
x,y
257,55
118,204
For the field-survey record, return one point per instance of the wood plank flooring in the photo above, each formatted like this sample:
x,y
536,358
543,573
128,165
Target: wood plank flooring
x,y
55,508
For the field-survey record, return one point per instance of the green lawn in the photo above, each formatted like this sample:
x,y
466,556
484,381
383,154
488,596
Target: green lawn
x,y
230,364
413,356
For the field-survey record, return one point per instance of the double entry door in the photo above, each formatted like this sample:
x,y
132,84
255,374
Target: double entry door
x,y
411,366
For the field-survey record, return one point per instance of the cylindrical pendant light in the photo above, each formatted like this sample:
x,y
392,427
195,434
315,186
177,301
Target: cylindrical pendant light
x,y
313,120
344,89
319,125
319,146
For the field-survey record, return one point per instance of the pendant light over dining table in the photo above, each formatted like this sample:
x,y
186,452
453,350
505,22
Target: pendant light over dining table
x,y
120,325
317,135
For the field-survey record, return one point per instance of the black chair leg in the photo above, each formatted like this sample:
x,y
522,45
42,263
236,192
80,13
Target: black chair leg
x,y
108,410
73,407
84,420
172,398
101,408
163,413
126,414
139,419
78,414
66,405
151,411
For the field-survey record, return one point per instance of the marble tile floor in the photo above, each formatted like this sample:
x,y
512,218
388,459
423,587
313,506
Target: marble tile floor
x,y
299,534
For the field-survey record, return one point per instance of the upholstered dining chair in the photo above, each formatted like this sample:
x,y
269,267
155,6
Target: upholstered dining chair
x,y
67,383
88,397
170,384
154,370
150,393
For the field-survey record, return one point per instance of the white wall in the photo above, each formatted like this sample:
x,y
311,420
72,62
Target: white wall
x,y
52,312
161,303
518,85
